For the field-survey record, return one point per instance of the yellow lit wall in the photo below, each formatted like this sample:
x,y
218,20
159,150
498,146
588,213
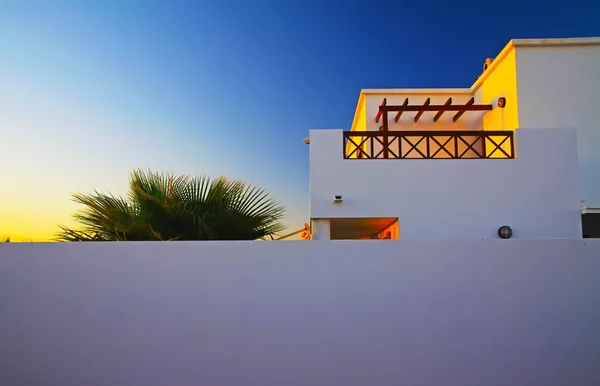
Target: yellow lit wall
x,y
393,229
360,116
500,80
359,124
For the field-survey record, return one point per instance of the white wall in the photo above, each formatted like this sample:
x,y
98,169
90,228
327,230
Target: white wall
x,y
536,194
517,312
560,87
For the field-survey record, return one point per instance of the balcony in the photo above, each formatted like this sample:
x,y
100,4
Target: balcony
x,y
429,145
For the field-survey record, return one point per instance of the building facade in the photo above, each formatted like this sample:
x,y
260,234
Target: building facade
x,y
517,149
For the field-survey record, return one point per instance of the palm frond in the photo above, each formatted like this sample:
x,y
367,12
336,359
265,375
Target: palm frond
x,y
163,206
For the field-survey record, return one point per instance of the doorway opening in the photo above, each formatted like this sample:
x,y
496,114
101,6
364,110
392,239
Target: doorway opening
x,y
365,228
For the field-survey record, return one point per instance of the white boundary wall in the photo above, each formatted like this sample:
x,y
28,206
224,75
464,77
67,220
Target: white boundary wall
x,y
352,313
537,193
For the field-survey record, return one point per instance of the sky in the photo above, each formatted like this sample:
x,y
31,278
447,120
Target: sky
x,y
91,89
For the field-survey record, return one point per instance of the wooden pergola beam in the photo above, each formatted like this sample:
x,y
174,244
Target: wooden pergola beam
x,y
439,113
424,108
460,113
400,112
420,109
383,103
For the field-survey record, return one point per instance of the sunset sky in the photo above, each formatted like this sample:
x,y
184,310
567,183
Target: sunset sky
x,y
91,89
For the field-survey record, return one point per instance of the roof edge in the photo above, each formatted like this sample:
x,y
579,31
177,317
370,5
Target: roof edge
x,y
585,41
495,63
589,41
387,91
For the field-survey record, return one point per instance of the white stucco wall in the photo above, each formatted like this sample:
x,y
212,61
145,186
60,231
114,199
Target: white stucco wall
x,y
536,194
560,87
517,312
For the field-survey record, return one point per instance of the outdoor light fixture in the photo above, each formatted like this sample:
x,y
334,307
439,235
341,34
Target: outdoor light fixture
x,y
501,102
338,198
505,232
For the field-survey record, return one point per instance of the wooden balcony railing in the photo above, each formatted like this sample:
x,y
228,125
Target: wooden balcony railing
x,y
428,144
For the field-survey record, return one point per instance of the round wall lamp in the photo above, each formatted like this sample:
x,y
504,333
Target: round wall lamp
x,y
502,102
505,232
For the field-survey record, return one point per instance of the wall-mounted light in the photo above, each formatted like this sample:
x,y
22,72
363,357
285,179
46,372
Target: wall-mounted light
x,y
338,198
501,102
505,232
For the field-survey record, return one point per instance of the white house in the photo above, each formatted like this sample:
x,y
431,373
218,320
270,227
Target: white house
x,y
517,149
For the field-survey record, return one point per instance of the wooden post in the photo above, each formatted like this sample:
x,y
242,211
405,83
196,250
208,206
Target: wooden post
x,y
385,134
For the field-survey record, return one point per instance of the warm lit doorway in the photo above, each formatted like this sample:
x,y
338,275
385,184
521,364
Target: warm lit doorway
x,y
370,228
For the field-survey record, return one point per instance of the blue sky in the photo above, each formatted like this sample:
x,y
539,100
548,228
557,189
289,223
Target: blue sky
x,y
91,89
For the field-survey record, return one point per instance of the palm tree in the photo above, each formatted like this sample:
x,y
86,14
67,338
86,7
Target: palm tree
x,y
170,207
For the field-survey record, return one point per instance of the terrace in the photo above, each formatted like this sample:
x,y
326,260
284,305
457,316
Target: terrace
x,y
428,144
